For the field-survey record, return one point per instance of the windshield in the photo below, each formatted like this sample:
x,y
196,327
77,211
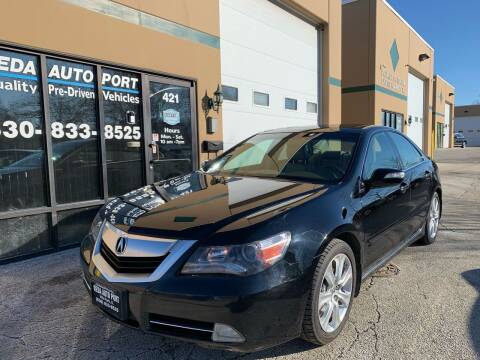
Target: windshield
x,y
314,156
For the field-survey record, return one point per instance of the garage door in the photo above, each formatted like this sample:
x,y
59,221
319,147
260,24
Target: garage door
x,y
269,69
416,109
446,130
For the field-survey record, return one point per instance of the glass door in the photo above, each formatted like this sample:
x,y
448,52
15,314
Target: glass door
x,y
170,128
439,135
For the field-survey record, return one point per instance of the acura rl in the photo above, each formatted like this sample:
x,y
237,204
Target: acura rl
x,y
268,242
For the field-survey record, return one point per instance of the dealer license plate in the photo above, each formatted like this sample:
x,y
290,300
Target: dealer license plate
x,y
112,301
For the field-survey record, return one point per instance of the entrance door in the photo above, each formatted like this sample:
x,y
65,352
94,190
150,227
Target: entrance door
x,y
439,133
446,132
416,109
170,128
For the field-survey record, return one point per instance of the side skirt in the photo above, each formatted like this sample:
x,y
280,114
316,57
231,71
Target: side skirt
x,y
392,253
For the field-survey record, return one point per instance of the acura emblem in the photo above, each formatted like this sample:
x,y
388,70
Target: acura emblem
x,y
121,245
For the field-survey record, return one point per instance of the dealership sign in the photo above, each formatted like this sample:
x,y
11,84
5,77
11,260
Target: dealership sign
x,y
389,79
18,72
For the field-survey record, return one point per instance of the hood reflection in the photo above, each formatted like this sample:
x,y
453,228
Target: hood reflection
x,y
201,200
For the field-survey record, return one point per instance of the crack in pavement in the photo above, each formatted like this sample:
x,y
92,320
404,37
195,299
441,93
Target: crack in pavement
x,y
345,350
16,338
372,325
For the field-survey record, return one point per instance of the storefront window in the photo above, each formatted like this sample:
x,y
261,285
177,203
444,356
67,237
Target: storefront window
x,y
74,129
123,130
68,97
24,235
170,109
22,151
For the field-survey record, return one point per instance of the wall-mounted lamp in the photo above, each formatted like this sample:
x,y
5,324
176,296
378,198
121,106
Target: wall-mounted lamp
x,y
214,103
423,57
451,94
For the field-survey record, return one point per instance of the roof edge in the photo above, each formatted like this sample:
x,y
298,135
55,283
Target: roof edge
x,y
445,81
345,2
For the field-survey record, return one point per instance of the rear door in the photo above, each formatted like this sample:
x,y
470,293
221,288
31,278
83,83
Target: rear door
x,y
383,209
419,168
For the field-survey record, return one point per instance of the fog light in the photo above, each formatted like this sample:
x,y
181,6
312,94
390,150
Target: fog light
x,y
225,333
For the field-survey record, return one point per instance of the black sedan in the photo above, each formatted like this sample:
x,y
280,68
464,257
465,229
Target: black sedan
x,y
268,242
459,140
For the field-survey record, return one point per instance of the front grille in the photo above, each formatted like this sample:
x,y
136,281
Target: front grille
x,y
192,329
138,265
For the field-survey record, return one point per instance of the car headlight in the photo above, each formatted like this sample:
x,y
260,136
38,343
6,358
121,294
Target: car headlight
x,y
245,259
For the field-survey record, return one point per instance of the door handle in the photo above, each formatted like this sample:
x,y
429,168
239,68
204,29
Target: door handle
x,y
404,187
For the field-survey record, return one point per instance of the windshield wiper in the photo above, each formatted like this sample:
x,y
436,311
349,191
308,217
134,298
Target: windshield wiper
x,y
300,178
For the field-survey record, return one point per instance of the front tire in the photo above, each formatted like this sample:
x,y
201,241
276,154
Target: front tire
x,y
331,294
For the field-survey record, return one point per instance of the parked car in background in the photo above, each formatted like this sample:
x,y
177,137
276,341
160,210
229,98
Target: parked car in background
x,y
459,140
268,242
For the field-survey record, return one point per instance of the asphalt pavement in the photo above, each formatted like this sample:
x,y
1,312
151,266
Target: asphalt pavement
x,y
425,305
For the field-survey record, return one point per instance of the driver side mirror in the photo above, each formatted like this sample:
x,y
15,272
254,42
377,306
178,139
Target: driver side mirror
x,y
385,177
205,165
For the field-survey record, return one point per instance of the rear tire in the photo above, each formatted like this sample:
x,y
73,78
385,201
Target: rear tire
x,y
331,295
433,221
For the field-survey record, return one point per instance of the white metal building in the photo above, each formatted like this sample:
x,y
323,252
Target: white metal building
x,y
467,122
269,69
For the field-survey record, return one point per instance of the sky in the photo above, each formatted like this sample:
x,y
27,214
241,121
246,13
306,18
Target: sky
x,y
452,28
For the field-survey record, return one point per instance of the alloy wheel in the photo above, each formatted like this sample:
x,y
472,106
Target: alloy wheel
x,y
335,293
434,216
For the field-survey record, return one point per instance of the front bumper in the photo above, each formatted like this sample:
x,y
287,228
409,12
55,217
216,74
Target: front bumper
x,y
266,310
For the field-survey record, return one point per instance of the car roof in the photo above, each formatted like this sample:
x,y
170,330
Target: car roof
x,y
342,128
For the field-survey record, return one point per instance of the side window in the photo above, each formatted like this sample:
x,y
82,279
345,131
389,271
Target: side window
x,y
409,155
380,155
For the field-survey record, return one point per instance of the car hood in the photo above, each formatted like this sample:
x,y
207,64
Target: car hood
x,y
200,204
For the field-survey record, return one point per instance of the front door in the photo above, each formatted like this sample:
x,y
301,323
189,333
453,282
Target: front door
x,y
170,128
385,209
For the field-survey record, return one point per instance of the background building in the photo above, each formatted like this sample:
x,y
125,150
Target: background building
x,y
106,96
387,71
467,122
443,105
281,65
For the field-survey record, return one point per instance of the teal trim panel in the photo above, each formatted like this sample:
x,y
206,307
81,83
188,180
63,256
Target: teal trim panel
x,y
376,88
438,114
125,13
335,82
